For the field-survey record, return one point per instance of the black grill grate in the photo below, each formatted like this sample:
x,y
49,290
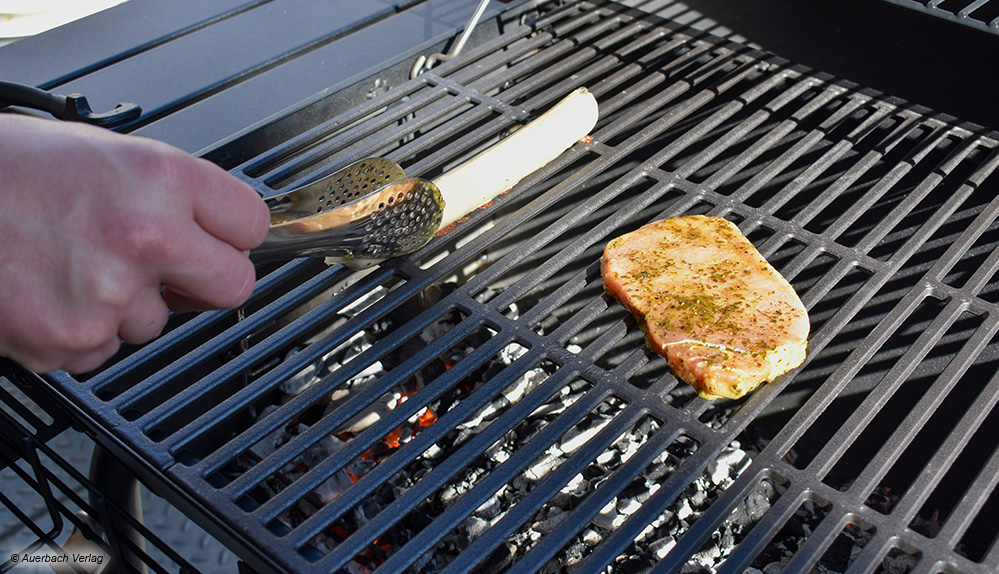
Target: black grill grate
x,y
882,216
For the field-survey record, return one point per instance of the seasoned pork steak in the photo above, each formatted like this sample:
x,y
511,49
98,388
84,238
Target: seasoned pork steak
x,y
708,302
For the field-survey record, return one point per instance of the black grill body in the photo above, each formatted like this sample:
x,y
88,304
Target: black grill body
x,y
881,214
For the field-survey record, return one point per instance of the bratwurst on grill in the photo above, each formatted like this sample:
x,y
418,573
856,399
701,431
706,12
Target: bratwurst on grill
x,y
708,302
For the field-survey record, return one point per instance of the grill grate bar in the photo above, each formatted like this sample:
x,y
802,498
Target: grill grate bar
x,y
965,16
967,238
616,542
544,489
431,481
957,440
184,437
971,504
799,489
894,379
586,511
426,539
170,340
755,542
328,342
285,498
239,366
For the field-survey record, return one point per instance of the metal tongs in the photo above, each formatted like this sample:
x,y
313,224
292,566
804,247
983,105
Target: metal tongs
x,y
359,216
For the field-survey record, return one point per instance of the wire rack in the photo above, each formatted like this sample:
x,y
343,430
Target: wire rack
x,y
51,508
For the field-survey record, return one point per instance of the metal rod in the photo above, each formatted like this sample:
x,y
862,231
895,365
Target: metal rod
x,y
119,486
427,62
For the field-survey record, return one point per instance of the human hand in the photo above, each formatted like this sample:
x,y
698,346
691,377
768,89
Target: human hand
x,y
101,233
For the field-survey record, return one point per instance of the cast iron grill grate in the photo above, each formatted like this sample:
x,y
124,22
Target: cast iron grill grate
x,y
874,456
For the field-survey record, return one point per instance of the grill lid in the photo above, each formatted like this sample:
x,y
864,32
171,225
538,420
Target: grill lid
x,y
482,404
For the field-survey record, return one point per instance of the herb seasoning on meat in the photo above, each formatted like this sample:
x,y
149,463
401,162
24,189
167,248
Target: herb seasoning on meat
x,y
708,302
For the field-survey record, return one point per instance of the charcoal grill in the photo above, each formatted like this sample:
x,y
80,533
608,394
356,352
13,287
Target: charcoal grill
x,y
877,455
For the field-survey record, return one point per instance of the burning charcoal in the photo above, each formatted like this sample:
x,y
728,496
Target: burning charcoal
x,y
371,415
511,353
577,437
485,413
491,508
333,487
548,409
638,489
568,561
473,527
837,557
705,560
628,506
575,489
899,564
607,515
304,378
666,521
591,537
697,495
684,511
555,517
928,527
524,385
660,548
548,463
755,505
729,465
449,494
372,371
574,555
322,450
498,561
882,500
635,565
609,458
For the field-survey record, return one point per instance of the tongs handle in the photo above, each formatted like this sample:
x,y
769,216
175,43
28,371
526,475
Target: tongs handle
x,y
289,244
73,107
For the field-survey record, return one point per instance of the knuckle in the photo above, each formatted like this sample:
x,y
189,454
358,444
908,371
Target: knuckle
x,y
145,325
147,234
160,162
108,288
81,337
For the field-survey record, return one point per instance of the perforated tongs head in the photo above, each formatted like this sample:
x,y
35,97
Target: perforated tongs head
x,y
360,215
